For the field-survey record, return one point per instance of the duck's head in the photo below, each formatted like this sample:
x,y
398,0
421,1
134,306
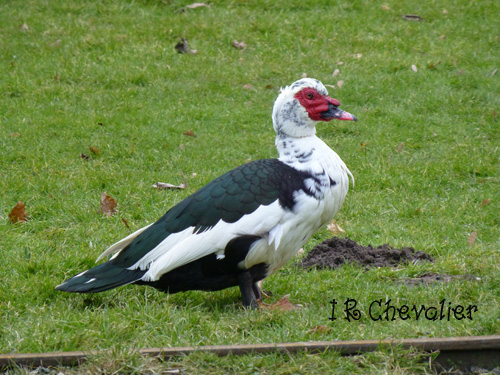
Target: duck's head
x,y
300,106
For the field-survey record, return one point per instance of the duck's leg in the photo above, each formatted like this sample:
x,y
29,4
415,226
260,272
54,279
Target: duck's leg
x,y
256,291
247,285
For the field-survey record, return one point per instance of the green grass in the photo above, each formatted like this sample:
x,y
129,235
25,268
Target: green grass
x,y
105,74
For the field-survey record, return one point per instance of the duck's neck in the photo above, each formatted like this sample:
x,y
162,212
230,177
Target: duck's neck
x,y
301,150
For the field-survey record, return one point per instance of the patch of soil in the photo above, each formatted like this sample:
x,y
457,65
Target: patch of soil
x,y
431,278
335,252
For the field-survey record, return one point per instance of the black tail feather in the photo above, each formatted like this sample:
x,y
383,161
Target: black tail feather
x,y
100,278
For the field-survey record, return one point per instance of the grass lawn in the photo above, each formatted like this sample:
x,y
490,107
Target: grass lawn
x,y
105,75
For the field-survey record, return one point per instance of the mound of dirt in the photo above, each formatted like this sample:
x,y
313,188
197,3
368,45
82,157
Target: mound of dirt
x,y
335,252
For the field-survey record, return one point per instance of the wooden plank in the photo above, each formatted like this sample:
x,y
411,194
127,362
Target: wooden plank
x,y
483,351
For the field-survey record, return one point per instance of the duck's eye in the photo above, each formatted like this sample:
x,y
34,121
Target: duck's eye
x,y
310,96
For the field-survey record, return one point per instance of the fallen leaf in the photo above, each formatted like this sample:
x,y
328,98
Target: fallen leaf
x,y
472,238
107,205
442,37
248,86
239,45
181,146
400,147
18,213
15,135
433,66
189,133
94,150
385,7
340,84
340,63
182,47
282,305
336,72
320,329
24,27
197,5
412,17
445,11
84,156
414,68
334,227
166,185
328,85
486,202
269,87
125,222
363,145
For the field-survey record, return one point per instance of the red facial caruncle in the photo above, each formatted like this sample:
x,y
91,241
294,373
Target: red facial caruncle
x,y
321,107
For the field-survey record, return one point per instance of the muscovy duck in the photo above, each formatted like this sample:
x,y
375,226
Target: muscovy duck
x,y
244,225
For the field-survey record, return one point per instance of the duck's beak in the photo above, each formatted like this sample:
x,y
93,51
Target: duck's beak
x,y
334,112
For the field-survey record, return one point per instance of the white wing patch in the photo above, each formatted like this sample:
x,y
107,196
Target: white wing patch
x,y
275,235
122,243
188,247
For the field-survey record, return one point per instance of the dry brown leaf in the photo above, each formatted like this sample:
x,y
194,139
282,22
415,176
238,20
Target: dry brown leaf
x,y
328,85
445,11
320,329
24,27
340,63
269,87
486,202
385,7
472,238
282,305
334,227
15,135
248,86
336,72
442,37
340,84
107,205
400,147
189,133
94,150
126,223
18,213
239,45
